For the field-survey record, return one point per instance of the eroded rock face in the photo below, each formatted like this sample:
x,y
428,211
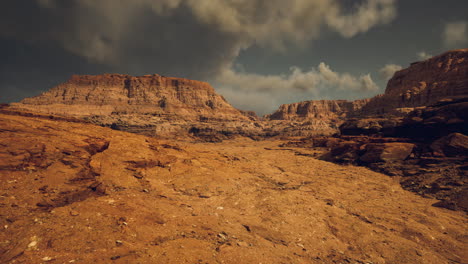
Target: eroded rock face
x,y
453,145
444,77
87,95
424,83
322,109
386,152
311,118
150,104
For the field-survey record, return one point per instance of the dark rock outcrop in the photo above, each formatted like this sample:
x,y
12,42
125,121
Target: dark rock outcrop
x,y
386,152
453,145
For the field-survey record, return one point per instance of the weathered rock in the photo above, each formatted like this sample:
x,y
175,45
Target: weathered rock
x,y
312,118
435,121
370,126
386,152
321,109
88,95
423,83
346,151
444,77
455,144
151,105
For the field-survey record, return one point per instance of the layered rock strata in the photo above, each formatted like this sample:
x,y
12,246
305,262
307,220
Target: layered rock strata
x,y
150,104
424,83
444,77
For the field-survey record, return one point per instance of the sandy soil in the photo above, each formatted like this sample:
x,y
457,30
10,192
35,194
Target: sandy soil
x,y
78,193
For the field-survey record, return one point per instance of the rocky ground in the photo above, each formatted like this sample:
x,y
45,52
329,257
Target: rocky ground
x,y
427,150
72,192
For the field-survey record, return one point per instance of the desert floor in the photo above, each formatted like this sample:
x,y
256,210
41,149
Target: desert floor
x,y
78,193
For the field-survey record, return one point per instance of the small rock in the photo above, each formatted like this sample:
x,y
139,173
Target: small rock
x,y
242,244
46,258
146,190
32,244
74,213
222,236
118,242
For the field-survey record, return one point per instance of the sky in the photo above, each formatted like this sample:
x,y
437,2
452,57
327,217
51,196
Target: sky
x,y
258,54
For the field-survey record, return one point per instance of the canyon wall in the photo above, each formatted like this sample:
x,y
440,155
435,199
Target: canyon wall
x,y
87,95
158,105
152,105
423,83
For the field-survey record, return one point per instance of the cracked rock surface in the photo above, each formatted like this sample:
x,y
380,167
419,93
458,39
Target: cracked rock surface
x,y
72,192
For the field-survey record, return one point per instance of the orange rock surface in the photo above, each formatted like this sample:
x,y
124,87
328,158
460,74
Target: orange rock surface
x,y
85,95
424,83
72,192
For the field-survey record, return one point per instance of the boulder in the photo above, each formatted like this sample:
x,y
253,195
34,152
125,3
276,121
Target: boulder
x,y
436,121
455,144
347,151
386,152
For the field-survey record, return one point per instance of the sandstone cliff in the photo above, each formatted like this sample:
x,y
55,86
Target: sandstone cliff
x,y
85,95
320,109
424,83
157,105
150,104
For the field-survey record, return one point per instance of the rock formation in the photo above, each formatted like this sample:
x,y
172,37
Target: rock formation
x,y
321,117
157,105
150,104
87,95
444,77
320,109
424,83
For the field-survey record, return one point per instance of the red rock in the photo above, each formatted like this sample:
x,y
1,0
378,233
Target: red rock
x,y
385,152
322,109
424,83
85,95
455,144
150,105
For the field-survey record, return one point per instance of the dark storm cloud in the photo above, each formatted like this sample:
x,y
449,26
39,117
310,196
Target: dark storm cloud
x,y
129,36
189,38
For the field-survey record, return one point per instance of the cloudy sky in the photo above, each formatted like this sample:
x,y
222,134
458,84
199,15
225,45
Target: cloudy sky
x,y
256,53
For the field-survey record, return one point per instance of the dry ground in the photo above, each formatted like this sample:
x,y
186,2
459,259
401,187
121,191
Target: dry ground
x,y
77,193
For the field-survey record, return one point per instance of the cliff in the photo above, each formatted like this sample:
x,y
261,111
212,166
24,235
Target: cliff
x,y
152,105
424,83
320,109
86,95
158,105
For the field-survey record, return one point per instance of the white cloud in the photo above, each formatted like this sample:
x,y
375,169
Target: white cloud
x,y
424,56
313,80
263,93
388,71
369,14
455,34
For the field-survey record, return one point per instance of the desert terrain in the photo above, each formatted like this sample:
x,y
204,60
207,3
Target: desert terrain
x,y
234,132
151,169
73,192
